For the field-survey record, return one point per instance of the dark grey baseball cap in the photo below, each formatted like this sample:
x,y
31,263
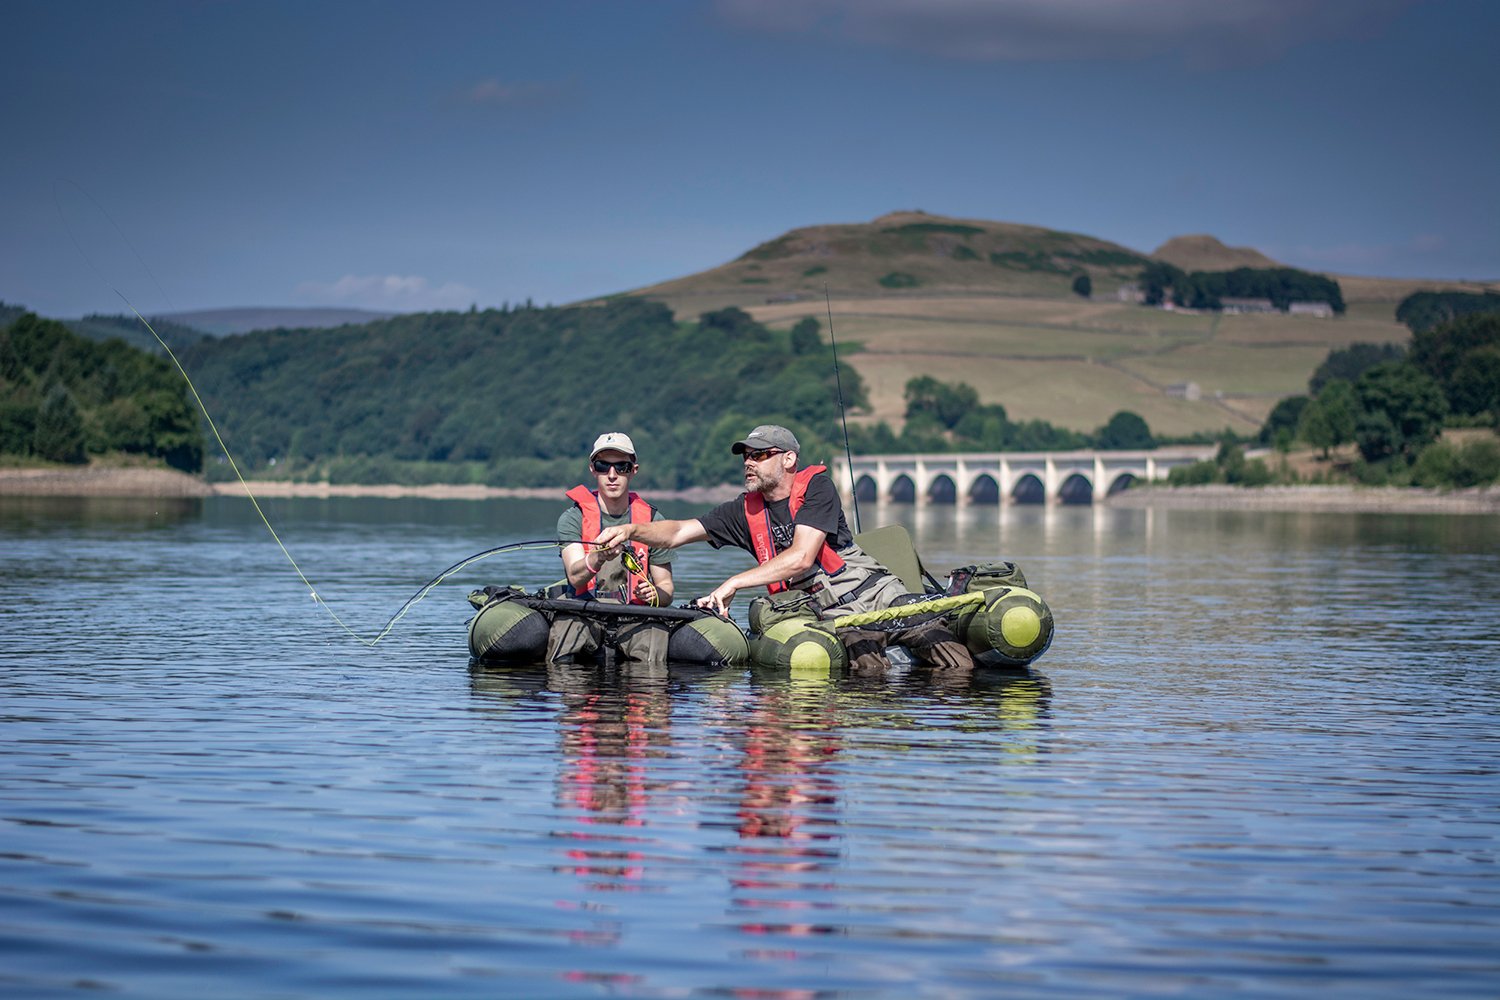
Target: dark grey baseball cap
x,y
767,436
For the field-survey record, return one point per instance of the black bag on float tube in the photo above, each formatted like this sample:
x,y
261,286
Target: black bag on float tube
x,y
985,576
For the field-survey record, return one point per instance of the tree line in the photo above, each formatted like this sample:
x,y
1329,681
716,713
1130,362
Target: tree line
x,y
948,417
1207,289
514,396
1394,403
64,398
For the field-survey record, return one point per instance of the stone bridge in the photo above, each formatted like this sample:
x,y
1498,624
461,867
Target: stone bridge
x,y
1008,477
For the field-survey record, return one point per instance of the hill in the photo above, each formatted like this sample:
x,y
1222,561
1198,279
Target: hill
x,y
1205,253
991,304
904,255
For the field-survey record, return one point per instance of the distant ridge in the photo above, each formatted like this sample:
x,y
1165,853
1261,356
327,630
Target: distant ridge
x,y
1201,252
223,322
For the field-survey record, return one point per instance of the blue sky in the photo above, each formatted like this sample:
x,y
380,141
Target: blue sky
x,y
414,156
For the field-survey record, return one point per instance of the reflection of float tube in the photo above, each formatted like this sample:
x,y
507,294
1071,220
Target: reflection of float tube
x,y
508,631
799,647
1012,627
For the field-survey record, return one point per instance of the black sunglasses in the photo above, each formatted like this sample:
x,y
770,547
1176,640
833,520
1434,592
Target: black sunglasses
x,y
623,467
761,454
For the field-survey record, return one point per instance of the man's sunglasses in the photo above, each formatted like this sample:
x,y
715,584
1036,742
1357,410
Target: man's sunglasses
x,y
623,468
761,454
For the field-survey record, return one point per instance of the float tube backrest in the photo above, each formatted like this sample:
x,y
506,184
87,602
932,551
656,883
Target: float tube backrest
x,y
892,548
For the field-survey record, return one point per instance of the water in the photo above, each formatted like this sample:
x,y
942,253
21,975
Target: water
x,y
1260,759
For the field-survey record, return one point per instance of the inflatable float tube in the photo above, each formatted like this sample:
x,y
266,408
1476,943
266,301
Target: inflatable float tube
x,y
1001,626
511,627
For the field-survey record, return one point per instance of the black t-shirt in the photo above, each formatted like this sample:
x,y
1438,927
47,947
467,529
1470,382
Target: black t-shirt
x,y
821,509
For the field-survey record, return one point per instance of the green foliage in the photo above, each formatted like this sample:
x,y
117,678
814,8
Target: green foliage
x,y
1463,355
805,337
1442,465
59,428
1029,260
1083,285
1349,363
1403,411
131,330
814,271
1285,415
1422,311
1332,418
514,397
1126,431
1197,474
900,279
962,252
67,397
939,402
1205,289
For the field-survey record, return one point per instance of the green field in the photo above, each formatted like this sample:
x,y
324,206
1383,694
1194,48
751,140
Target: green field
x,y
993,306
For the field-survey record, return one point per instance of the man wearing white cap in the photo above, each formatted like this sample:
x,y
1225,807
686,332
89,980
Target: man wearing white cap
x,y
793,523
601,574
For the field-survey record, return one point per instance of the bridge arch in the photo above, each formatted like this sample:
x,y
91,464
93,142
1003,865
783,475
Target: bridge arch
x,y
902,490
1028,489
984,490
1077,488
942,490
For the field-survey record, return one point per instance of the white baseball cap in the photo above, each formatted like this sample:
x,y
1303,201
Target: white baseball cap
x,y
613,441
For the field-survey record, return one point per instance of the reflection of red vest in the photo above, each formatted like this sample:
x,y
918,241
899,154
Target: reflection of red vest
x,y
759,520
640,513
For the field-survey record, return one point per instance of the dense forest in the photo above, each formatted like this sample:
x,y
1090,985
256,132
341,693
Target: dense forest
x,y
513,397
64,398
1207,289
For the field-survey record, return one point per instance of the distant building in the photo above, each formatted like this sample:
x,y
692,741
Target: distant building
x,y
1231,305
1322,310
1131,293
1184,390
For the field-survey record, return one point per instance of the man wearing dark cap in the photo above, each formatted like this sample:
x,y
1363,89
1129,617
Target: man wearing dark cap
x,y
792,521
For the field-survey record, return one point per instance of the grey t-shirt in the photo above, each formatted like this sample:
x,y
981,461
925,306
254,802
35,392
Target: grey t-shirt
x,y
570,529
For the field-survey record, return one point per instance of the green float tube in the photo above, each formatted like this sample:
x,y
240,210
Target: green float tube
x,y
1011,627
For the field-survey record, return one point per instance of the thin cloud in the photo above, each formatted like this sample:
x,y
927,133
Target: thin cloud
x,y
1203,33
394,292
502,94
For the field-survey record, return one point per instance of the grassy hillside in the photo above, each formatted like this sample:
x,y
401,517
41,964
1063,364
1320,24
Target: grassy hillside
x,y
992,305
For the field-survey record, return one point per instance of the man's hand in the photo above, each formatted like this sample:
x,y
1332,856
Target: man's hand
x,y
646,591
613,538
718,601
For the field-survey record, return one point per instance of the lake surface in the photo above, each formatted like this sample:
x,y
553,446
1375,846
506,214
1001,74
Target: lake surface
x,y
1262,758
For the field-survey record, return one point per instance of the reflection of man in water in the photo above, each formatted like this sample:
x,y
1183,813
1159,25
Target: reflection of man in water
x,y
787,816
608,737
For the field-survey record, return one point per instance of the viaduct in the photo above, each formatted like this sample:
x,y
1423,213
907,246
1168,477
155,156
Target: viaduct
x,y
1008,477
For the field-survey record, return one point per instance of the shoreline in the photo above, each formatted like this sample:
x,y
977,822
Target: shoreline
x,y
155,482
1328,499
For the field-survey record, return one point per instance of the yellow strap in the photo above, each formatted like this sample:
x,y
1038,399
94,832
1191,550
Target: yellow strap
x,y
907,610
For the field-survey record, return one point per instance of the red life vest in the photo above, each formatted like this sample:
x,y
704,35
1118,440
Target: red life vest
x,y
759,520
640,513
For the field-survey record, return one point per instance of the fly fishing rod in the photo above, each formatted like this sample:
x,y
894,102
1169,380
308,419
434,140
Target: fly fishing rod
x,y
839,383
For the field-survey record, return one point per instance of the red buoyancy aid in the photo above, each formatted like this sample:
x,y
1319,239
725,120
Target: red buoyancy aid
x,y
640,513
759,520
